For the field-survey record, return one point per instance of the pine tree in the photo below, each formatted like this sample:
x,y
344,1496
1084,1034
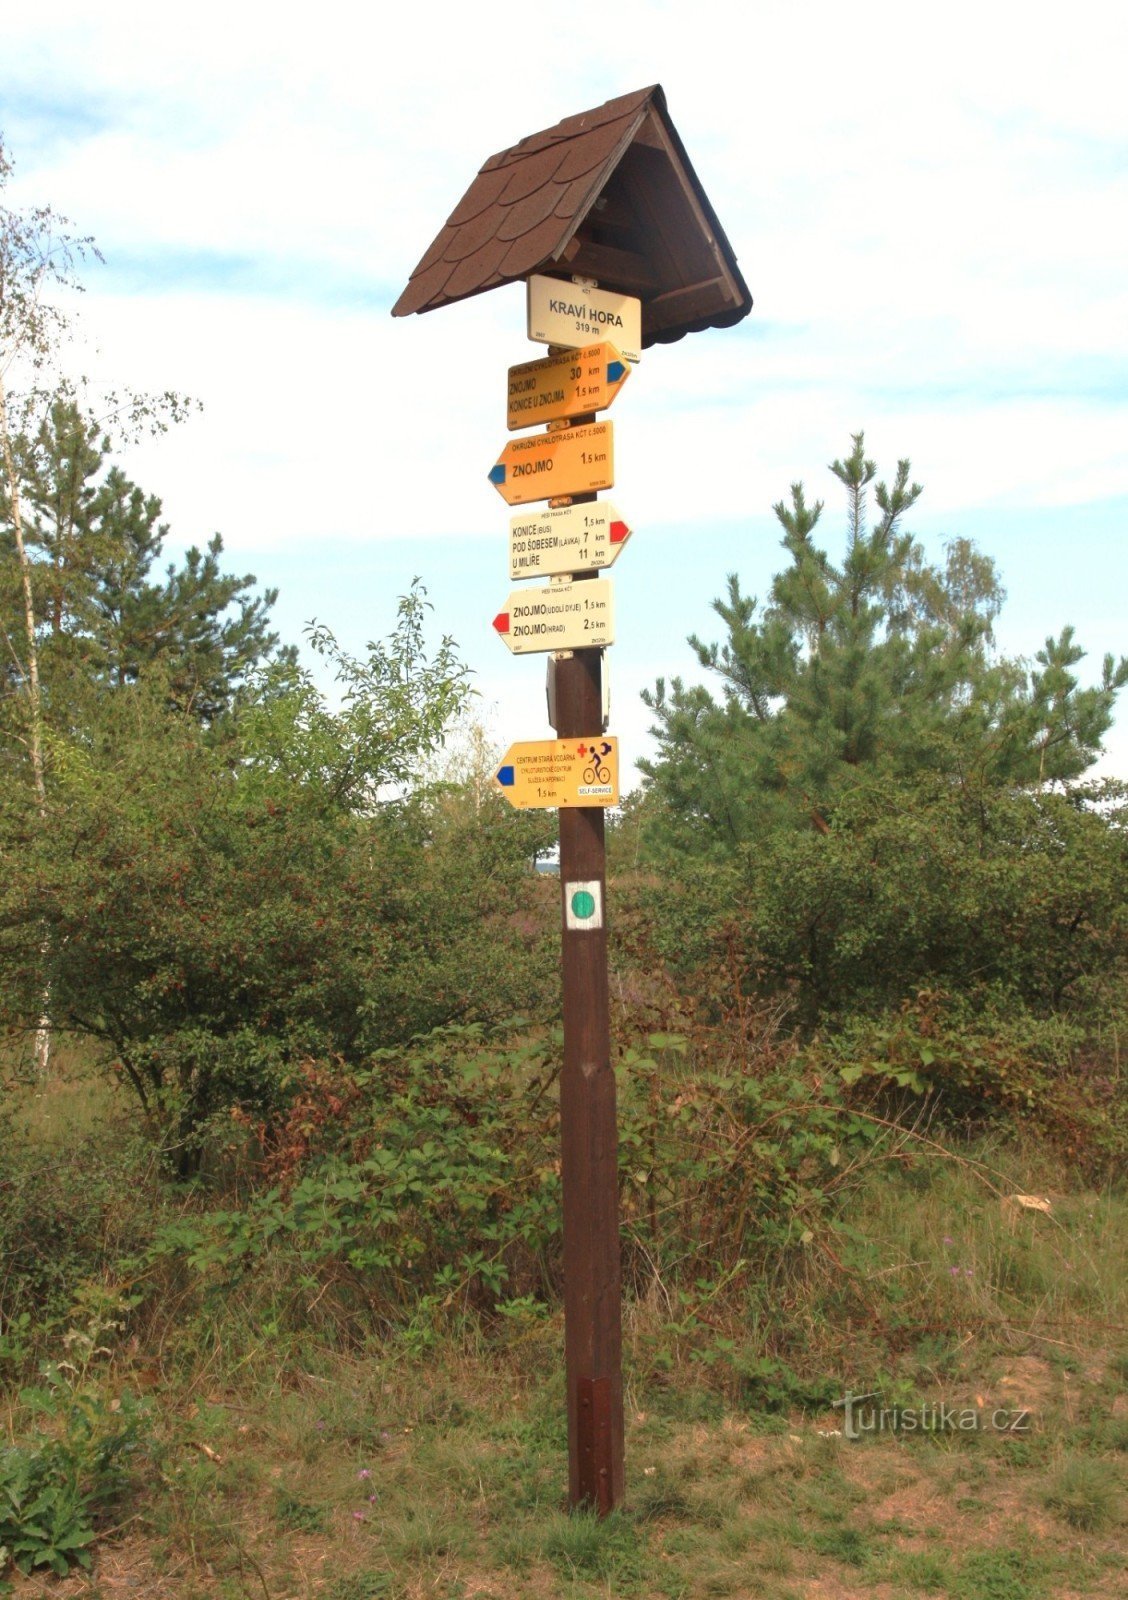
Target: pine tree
x,y
881,665
93,539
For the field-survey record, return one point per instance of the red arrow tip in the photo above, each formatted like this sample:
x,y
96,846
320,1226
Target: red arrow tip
x,y
501,622
619,532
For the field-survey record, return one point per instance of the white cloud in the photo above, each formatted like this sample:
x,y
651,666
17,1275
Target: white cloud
x,y
932,221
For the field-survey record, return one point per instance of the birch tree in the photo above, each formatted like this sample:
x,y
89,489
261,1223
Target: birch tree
x,y
40,262
39,257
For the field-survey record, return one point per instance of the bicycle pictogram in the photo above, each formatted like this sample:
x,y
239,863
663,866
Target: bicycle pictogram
x,y
598,771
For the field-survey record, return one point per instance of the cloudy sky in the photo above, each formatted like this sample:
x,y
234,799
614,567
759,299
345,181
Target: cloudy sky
x,y
932,216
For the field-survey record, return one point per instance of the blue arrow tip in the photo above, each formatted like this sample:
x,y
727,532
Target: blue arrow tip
x,y
497,474
615,371
506,777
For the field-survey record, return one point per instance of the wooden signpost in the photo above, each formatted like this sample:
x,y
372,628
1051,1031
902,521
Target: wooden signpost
x,y
606,195
571,462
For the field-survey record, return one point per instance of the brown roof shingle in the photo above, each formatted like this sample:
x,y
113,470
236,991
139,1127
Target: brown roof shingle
x,y
524,211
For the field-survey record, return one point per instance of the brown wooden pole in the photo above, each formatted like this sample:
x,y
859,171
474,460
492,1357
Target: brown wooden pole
x,y
588,1128
588,1137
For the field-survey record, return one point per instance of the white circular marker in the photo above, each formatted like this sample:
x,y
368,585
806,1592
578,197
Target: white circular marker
x,y
583,905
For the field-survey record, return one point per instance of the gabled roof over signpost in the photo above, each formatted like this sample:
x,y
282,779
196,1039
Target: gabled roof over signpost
x,y
609,195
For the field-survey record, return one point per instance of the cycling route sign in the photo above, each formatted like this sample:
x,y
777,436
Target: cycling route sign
x,y
547,466
541,774
565,385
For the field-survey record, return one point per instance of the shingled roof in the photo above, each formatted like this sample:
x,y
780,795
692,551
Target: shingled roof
x,y
610,195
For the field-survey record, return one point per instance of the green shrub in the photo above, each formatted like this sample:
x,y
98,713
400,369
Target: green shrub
x,y
70,1215
425,1188
989,1057
416,1187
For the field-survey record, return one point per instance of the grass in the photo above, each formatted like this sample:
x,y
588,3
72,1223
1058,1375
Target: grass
x,y
298,1515
285,1463
1085,1494
463,1497
714,1509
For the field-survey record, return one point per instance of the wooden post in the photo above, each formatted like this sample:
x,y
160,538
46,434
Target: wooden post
x,y
588,1127
588,1137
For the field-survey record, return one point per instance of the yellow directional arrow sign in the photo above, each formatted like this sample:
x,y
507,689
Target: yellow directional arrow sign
x,y
565,616
543,773
542,466
565,385
580,538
